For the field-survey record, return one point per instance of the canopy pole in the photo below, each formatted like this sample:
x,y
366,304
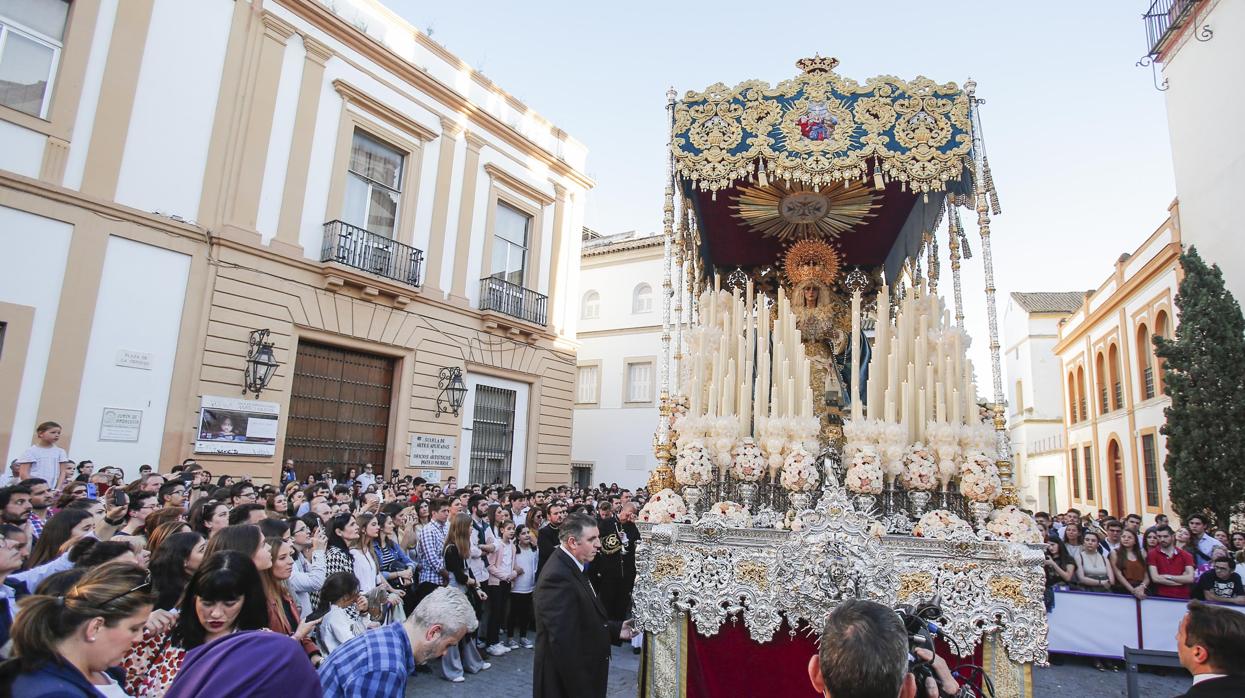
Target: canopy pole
x,y
953,243
980,186
661,445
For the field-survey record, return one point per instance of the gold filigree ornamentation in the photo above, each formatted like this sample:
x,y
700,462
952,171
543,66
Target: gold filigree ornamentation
x,y
668,566
916,584
820,128
794,211
1008,589
753,573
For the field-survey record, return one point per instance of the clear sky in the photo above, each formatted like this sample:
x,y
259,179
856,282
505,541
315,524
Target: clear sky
x,y
1077,134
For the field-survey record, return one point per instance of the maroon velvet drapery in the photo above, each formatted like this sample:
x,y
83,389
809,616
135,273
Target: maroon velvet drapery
x,y
732,664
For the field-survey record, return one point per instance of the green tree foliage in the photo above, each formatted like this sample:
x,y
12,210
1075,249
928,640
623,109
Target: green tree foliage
x,y
1204,374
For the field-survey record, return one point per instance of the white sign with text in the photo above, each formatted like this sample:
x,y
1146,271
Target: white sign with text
x,y
432,451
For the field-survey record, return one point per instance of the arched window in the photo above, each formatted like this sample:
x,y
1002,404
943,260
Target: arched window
x,y
1160,330
1117,379
592,306
1081,399
1144,363
642,299
1073,415
1100,384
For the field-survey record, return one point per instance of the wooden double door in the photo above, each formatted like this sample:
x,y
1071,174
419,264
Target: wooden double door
x,y
339,410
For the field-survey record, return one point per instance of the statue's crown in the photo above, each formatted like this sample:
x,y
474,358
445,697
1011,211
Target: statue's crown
x,y
817,64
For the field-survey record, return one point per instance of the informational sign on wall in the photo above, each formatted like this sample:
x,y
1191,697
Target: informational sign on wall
x,y
134,359
232,426
119,424
432,451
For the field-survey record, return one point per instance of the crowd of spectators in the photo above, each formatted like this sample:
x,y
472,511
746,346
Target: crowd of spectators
x,y
115,588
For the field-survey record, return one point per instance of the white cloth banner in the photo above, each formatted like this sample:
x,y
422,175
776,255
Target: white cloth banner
x,y
1101,625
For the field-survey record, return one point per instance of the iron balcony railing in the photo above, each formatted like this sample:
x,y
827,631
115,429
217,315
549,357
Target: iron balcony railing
x,y
362,249
513,300
1164,17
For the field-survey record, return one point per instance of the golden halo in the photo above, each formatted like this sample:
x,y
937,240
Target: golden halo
x,y
811,260
794,211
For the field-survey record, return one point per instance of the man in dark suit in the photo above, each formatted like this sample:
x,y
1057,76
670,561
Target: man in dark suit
x,y
1211,645
547,536
573,632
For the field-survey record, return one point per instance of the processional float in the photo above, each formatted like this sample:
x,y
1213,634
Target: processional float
x,y
820,434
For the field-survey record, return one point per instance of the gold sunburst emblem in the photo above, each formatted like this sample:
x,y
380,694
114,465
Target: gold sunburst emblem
x,y
797,212
811,260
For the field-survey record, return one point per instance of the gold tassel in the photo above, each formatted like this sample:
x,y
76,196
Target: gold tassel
x,y
877,180
761,175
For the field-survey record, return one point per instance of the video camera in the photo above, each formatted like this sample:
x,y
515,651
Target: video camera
x,y
920,622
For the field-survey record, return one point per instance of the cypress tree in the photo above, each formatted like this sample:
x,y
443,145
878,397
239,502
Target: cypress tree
x,y
1204,373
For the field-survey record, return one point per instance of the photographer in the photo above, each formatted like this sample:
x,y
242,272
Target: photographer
x,y
864,654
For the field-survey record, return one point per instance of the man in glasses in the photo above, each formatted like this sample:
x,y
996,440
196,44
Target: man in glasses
x,y
242,493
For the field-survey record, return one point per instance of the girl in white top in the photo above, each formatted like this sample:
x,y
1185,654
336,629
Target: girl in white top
x,y
521,618
45,459
341,590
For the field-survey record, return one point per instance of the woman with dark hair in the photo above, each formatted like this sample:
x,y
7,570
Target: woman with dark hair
x,y
65,645
277,505
1132,575
207,516
173,566
283,615
341,532
340,593
73,492
243,538
89,552
307,536
224,595
59,533
395,565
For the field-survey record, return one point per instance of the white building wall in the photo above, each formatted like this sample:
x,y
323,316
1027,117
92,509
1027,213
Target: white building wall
x,y
1207,158
21,150
139,309
32,270
166,150
617,439
282,138
84,122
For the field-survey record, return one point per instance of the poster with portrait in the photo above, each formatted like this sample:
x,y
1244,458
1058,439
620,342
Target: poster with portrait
x,y
231,426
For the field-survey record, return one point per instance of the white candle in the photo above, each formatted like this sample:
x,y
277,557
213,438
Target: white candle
x,y
790,398
940,403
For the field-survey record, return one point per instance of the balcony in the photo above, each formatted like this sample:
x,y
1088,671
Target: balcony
x,y
355,247
1163,19
501,296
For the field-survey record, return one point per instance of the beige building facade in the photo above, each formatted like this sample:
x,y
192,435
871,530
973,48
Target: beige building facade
x,y
176,178
1112,381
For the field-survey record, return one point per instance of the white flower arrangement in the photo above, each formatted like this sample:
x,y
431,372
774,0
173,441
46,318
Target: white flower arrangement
x,y
920,472
799,472
1012,524
724,432
664,507
977,437
864,474
944,439
734,514
893,444
693,466
771,437
748,464
939,524
979,479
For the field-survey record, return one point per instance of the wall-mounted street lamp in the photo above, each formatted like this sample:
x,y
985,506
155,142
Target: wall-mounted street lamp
x,y
261,363
450,399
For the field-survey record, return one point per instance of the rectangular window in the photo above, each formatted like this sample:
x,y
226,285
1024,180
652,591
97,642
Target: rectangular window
x,y
1149,459
581,474
373,185
32,34
510,244
586,380
640,382
1089,473
1148,383
492,435
1076,475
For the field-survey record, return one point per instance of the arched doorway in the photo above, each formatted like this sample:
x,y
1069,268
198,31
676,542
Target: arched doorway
x,y
1115,466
